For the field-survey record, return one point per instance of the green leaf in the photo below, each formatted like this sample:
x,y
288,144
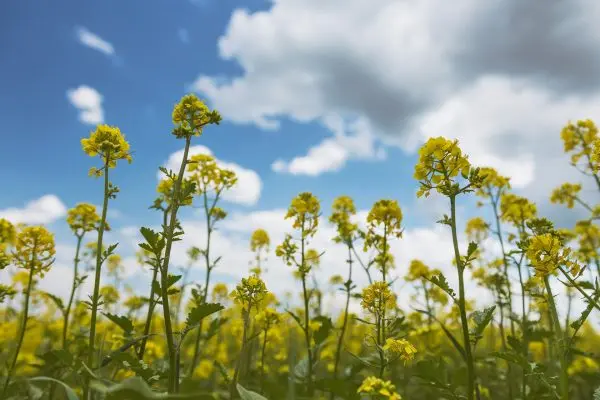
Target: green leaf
x,y
246,394
150,236
56,300
200,312
68,391
481,319
296,318
121,321
321,334
441,282
172,279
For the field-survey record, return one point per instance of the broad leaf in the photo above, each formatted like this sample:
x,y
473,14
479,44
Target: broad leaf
x,y
70,393
246,394
481,320
123,322
441,282
198,313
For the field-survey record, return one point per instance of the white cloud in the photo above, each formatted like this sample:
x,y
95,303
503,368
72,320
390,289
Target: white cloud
x,y
351,141
44,210
94,41
249,185
89,103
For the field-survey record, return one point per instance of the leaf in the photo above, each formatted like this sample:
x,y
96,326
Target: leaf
x,y
200,312
156,287
246,394
57,357
441,282
57,300
320,335
296,318
150,236
172,279
481,320
576,325
121,321
70,393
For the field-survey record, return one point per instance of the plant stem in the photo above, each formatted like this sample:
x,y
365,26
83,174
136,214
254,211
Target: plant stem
x,y
238,363
173,380
23,326
148,324
73,289
461,304
262,362
564,376
95,296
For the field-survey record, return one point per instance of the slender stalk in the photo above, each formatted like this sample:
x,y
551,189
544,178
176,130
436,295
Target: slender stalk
x,y
262,362
23,327
73,289
305,295
148,324
238,363
564,376
173,379
579,289
95,296
461,304
338,350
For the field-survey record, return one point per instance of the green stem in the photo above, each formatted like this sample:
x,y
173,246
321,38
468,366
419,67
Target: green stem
x,y
238,363
462,305
564,376
305,295
23,326
579,289
173,379
73,289
148,324
95,296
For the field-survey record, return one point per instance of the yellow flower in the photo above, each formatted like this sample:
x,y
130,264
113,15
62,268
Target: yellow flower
x,y
191,115
566,194
477,229
165,189
219,292
83,218
336,280
516,209
378,388
492,180
250,291
417,271
208,176
35,249
204,369
440,162
378,297
580,140
259,240
546,253
304,209
8,233
109,294
109,143
400,347
342,210
267,318
384,222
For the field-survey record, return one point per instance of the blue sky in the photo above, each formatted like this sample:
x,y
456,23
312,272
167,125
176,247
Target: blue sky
x,y
330,97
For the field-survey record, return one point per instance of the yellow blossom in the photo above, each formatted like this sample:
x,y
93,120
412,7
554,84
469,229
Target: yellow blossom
x,y
378,389
400,347
109,143
378,297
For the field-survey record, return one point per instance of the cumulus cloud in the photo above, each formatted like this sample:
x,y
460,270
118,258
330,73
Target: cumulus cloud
x,y
44,210
488,73
246,191
89,103
351,141
94,41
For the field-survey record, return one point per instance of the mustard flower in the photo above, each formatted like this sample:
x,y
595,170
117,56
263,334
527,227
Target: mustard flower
x,y
546,253
378,297
191,115
383,222
440,163
165,189
417,270
304,209
208,176
579,139
109,143
83,218
566,194
378,389
342,210
8,233
259,240
477,229
219,292
401,348
35,249
516,209
250,291
492,182
267,318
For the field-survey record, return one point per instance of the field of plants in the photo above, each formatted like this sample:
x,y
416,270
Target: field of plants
x,y
182,339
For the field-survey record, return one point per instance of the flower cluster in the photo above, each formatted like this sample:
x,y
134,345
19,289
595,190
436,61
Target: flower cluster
x,y
580,139
546,253
440,163
477,229
378,389
165,189
191,115
492,182
83,218
401,348
566,194
208,176
250,291
383,222
304,209
35,249
342,210
516,209
109,143
259,240
378,297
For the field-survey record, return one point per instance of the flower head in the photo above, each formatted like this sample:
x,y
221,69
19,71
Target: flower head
x,y
109,143
250,291
401,348
341,211
566,194
191,115
492,182
580,139
83,218
8,233
417,270
477,229
304,209
35,249
377,298
546,253
516,209
259,240
378,388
